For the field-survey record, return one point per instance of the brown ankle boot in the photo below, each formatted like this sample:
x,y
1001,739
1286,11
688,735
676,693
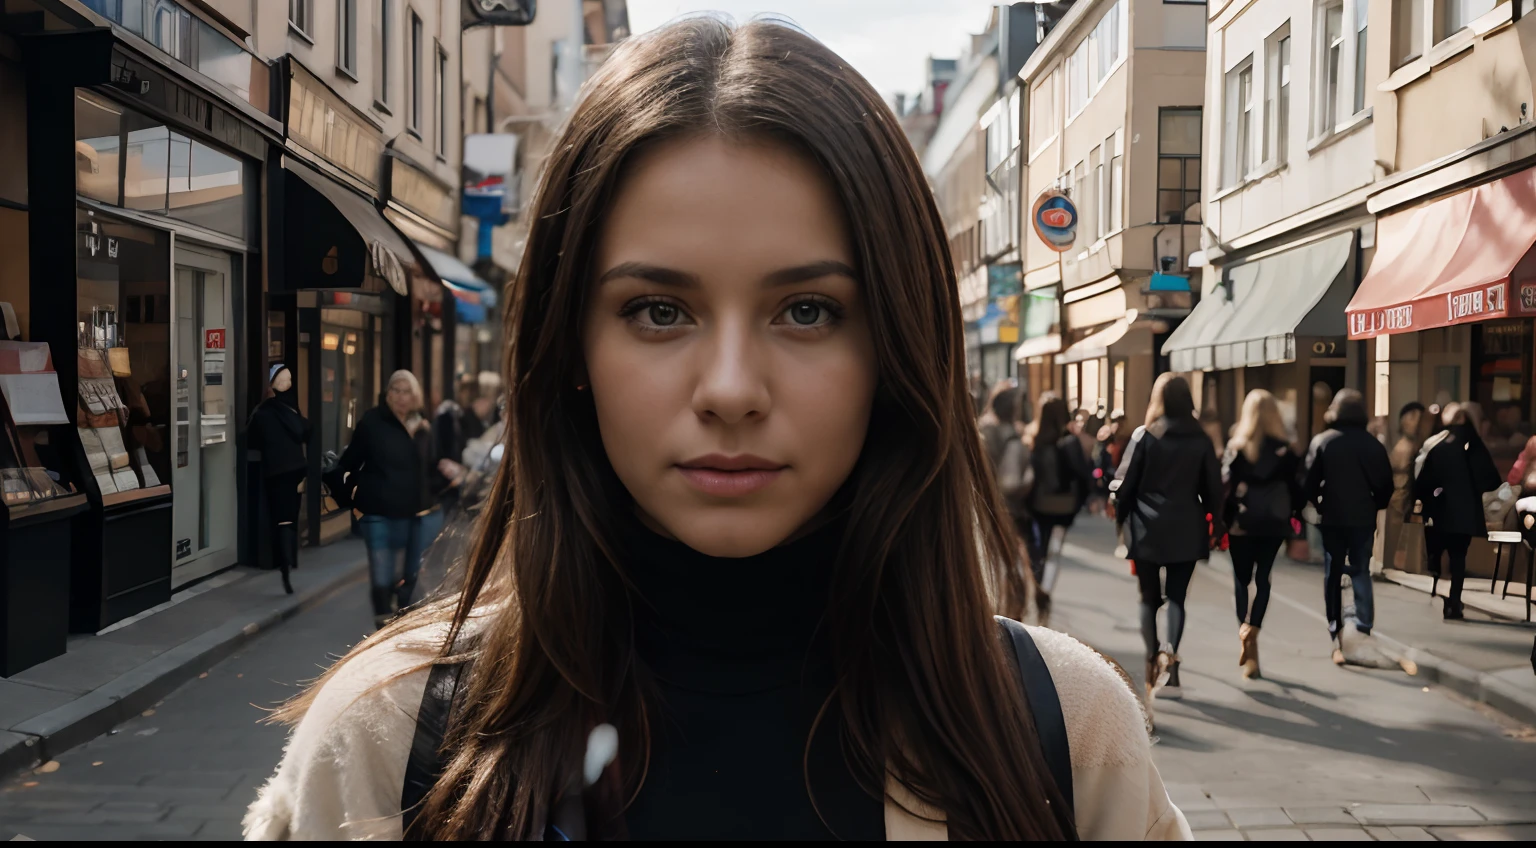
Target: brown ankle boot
x,y
1248,655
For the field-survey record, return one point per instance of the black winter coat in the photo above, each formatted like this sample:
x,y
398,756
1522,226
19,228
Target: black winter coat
x,y
1262,496
1452,472
279,433
391,473
1168,482
1349,476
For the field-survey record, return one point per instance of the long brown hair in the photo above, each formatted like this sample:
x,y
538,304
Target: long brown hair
x,y
926,689
1051,421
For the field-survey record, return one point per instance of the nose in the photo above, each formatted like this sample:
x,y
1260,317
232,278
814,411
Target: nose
x,y
733,380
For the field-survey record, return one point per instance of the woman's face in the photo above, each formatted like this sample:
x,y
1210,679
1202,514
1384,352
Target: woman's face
x,y
283,381
727,343
402,398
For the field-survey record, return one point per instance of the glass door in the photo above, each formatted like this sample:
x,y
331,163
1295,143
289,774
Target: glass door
x,y
203,475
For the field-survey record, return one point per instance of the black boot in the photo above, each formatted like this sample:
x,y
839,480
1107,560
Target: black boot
x,y
285,549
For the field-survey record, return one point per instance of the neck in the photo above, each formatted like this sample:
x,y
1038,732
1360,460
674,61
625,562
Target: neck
x,y
730,625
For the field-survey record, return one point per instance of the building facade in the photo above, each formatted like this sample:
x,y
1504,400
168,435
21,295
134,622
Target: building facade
x,y
1113,104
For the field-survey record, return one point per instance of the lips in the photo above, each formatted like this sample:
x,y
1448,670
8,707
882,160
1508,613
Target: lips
x,y
724,476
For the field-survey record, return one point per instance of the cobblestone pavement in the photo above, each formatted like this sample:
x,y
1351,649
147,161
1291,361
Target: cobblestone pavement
x,y
1311,750
188,768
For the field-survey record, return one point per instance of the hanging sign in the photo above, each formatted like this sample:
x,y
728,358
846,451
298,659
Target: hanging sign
x,y
1054,218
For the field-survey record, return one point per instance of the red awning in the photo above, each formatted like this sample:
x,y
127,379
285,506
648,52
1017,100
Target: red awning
x,y
1459,259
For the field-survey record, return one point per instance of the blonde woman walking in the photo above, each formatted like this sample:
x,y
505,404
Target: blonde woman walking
x,y
1263,493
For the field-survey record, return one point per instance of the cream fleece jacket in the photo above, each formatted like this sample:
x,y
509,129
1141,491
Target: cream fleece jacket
x,y
344,765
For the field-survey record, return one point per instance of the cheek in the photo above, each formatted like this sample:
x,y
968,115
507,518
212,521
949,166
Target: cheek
x,y
637,395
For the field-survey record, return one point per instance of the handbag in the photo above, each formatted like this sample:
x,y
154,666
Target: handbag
x,y
336,482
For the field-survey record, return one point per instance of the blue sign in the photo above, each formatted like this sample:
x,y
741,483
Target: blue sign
x,y
1055,220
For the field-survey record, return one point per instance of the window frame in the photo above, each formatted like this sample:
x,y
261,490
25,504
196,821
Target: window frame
x,y
1235,165
1329,70
384,29
306,11
1361,46
413,85
1277,97
346,38
1188,197
440,91
1417,9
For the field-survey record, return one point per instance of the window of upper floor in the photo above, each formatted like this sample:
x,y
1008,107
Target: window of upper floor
x,y
1238,125
1044,107
1277,97
301,17
383,32
1339,50
1096,57
346,37
1178,164
1418,25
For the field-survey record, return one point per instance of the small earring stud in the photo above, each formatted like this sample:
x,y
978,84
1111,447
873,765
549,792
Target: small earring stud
x,y
582,387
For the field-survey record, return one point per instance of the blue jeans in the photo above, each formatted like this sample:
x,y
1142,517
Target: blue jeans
x,y
1351,544
387,537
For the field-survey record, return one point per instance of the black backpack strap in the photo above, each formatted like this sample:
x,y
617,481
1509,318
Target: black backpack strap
x,y
425,765
1045,707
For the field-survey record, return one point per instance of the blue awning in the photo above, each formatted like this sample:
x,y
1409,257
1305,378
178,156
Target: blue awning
x,y
471,294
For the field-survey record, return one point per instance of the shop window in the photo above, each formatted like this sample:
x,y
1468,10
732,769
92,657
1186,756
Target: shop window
x,y
206,187
347,373
1118,398
147,163
123,322
98,141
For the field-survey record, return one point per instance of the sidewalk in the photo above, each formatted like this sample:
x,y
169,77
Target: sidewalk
x,y
103,680
1485,658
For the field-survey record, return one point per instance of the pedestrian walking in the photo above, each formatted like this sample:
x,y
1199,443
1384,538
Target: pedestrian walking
x,y
743,590
1261,474
278,433
1348,480
391,474
1451,473
1010,466
1168,498
1062,481
1413,421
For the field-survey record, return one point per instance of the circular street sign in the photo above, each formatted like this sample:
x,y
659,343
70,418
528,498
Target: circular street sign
x,y
1055,220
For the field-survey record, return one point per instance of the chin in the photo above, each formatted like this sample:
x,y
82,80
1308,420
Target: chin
x,y
731,532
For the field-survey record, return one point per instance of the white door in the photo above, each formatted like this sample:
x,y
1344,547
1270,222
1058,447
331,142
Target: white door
x,y
203,466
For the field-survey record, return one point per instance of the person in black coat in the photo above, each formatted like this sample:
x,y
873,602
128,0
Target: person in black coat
x,y
1167,497
279,433
392,474
1451,473
1061,478
1349,480
1263,493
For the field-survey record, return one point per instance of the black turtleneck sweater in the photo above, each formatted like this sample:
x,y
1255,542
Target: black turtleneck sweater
x,y
741,673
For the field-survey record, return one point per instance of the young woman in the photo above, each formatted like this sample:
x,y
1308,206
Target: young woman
x,y
746,556
279,433
1451,473
1260,472
391,468
1061,484
1167,486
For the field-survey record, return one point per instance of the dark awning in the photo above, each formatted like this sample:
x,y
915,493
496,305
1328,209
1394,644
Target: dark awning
x,y
334,237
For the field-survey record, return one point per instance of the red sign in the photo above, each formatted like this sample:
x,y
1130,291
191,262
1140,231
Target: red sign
x,y
213,339
1441,310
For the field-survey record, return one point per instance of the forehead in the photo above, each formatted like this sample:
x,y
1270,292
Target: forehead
x,y
712,203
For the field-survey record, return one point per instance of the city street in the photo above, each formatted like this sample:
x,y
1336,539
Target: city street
x,y
1310,751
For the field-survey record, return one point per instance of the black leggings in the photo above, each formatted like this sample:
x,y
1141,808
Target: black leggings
x,y
1152,594
1455,544
1248,552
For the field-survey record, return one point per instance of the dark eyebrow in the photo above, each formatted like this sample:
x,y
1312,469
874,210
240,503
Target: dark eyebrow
x,y
683,279
654,273
811,271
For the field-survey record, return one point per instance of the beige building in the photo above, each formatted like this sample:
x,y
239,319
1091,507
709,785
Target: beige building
x,y
1445,310
1113,105
1290,88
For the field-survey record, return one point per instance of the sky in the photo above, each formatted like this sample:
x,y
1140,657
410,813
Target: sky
x,y
886,40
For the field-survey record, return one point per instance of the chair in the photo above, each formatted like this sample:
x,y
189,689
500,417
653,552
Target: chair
x,y
1500,539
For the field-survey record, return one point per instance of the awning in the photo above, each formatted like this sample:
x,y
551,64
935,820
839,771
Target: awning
x,y
471,294
1189,346
1038,346
1095,346
1452,261
1299,292
334,237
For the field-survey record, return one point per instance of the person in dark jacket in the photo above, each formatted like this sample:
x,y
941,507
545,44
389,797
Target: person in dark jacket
x,y
1263,493
1167,497
394,477
1010,466
1451,473
1060,482
278,433
1349,480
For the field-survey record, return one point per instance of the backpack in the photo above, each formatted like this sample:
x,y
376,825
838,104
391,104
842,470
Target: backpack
x,y
1056,490
424,766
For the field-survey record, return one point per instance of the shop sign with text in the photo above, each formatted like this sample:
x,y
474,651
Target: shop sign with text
x,y
1478,304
